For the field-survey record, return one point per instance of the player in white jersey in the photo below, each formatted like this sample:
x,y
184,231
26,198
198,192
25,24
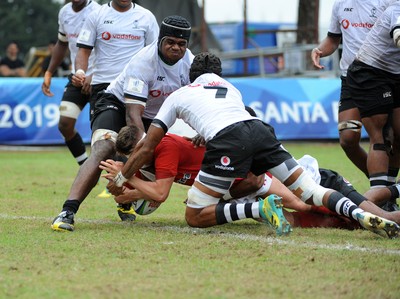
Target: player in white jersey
x,y
70,20
374,81
118,30
151,76
351,21
236,144
117,106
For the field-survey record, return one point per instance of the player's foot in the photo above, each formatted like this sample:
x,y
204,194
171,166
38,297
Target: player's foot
x,y
126,212
271,210
391,206
104,194
63,222
378,225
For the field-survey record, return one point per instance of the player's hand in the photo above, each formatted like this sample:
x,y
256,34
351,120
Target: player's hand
x,y
198,141
114,189
86,87
315,57
46,84
112,167
78,78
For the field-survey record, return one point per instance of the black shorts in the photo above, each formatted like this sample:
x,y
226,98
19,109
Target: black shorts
x,y
373,90
346,102
93,96
74,94
109,113
243,147
331,179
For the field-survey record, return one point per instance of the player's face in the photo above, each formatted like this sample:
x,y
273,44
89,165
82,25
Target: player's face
x,y
122,5
173,48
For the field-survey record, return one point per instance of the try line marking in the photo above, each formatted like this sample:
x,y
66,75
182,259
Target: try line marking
x,y
240,236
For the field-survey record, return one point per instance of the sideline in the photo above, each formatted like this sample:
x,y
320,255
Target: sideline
x,y
239,236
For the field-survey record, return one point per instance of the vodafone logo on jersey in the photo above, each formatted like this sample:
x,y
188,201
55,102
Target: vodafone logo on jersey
x,y
157,93
225,161
107,36
346,24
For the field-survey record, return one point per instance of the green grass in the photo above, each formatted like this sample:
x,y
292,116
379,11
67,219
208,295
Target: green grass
x,y
159,256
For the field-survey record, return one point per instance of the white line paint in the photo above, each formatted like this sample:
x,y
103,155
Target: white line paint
x,y
284,241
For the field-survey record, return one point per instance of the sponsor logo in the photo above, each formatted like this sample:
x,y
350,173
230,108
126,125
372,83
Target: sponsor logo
x,y
346,24
225,160
373,12
160,78
348,9
108,22
387,94
157,93
230,168
215,83
108,36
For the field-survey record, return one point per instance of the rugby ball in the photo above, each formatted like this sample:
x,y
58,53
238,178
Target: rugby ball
x,y
145,207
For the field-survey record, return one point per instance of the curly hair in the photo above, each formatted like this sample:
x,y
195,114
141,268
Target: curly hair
x,y
204,62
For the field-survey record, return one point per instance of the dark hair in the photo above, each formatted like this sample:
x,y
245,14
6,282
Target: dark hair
x,y
175,26
126,140
250,111
203,63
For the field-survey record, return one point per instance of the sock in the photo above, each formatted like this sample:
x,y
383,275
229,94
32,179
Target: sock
x,y
77,148
343,206
394,191
379,180
71,205
392,174
229,212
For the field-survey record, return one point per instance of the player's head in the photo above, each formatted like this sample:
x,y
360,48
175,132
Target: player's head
x,y
173,39
203,63
175,26
127,139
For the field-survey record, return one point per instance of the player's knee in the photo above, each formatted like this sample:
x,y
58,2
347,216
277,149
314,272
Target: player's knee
x,y
104,134
305,188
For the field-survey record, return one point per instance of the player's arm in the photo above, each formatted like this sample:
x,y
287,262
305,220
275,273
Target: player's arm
x,y
57,57
246,186
81,66
157,191
134,113
325,48
142,154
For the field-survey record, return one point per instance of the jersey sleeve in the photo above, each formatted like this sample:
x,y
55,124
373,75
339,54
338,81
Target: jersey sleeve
x,y
152,30
334,25
87,35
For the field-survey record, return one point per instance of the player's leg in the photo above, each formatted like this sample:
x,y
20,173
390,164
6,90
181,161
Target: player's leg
x,y
106,123
301,184
204,208
349,127
71,106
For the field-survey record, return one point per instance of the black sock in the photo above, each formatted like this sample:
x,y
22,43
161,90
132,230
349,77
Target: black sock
x,y
342,205
77,148
71,205
394,191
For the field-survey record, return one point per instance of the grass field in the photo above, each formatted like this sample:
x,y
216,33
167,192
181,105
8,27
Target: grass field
x,y
159,256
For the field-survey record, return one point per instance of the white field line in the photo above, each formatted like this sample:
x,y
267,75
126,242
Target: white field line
x,y
240,236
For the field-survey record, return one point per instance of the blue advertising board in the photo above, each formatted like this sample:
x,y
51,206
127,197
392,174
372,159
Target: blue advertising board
x,y
299,109
28,117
